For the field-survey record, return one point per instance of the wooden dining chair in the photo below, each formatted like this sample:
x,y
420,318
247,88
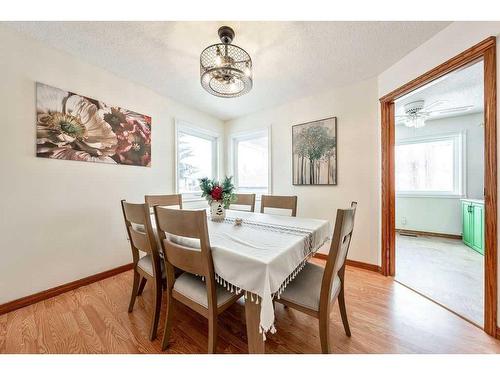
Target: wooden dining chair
x,y
316,288
287,202
204,296
245,200
148,267
164,200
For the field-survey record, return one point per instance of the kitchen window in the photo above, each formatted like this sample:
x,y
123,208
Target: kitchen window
x,y
431,166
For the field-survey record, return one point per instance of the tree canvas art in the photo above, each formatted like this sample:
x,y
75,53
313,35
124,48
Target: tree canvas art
x,y
74,127
314,147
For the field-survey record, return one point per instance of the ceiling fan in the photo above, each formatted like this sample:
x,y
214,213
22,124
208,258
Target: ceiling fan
x,y
416,113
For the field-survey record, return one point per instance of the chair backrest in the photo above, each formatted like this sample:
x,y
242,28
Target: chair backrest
x,y
279,201
164,200
140,232
245,200
175,229
342,234
172,226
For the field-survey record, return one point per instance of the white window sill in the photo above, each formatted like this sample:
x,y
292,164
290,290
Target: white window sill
x,y
193,200
430,195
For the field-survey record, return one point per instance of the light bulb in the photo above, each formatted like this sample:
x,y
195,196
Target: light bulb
x,y
419,123
218,60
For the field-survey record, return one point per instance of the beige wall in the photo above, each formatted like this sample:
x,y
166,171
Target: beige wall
x,y
444,45
61,220
358,158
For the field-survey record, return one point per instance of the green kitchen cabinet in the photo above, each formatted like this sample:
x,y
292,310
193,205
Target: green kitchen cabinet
x,y
466,223
473,224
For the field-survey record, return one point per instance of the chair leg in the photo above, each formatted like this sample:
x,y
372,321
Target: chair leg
x,y
324,333
135,287
141,286
343,312
212,334
168,322
156,310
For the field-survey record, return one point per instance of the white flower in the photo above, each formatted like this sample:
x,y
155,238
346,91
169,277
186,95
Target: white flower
x,y
67,153
64,118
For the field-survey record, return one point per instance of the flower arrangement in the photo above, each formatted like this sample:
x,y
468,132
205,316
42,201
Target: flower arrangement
x,y
223,192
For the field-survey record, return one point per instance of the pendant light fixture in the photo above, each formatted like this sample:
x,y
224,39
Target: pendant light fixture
x,y
226,69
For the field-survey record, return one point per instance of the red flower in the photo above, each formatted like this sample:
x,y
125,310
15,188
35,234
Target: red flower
x,y
134,143
216,193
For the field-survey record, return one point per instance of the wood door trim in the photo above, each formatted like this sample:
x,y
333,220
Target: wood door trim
x,y
43,295
462,59
485,50
490,161
388,220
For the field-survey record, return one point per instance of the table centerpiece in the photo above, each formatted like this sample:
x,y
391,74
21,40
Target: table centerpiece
x,y
218,195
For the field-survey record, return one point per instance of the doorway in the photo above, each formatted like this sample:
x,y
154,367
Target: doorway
x,y
484,55
439,158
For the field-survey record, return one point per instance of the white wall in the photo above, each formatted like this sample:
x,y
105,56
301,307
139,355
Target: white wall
x,y
358,158
444,45
443,215
61,220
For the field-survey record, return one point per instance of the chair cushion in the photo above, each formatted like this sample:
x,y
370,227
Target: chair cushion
x,y
305,289
194,288
146,265
142,229
193,243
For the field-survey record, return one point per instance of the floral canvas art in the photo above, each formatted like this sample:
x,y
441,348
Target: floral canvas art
x,y
74,127
315,152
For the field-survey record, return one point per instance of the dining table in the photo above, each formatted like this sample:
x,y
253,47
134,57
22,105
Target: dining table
x,y
259,254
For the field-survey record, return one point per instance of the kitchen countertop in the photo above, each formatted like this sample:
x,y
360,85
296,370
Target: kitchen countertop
x,y
473,200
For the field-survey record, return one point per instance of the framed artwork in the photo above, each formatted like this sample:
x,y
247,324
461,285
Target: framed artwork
x,y
74,127
314,152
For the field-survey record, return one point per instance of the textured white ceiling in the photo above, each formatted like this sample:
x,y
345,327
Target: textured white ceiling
x,y
291,59
460,88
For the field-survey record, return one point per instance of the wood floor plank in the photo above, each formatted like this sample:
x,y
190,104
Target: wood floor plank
x,y
3,333
385,317
21,331
92,342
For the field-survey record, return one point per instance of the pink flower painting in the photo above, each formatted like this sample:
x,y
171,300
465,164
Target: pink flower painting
x,y
74,127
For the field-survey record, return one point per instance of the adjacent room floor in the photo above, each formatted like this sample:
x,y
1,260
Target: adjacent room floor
x,y
385,317
445,270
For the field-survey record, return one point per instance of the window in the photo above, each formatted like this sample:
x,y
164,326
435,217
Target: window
x,y
197,157
430,166
250,154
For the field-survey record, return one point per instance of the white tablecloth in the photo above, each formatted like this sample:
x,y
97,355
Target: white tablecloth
x,y
263,254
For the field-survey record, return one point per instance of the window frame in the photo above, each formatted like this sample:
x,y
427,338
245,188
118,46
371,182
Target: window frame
x,y
459,165
185,127
233,157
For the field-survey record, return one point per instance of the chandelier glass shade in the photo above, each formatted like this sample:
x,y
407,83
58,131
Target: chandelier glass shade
x,y
226,69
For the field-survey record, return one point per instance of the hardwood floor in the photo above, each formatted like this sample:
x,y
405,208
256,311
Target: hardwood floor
x,y
385,317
